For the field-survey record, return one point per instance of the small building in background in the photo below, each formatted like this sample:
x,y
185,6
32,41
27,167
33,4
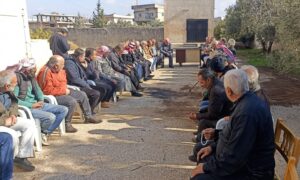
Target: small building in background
x,y
56,20
148,12
189,21
115,18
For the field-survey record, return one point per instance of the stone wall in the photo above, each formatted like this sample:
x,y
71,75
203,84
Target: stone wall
x,y
94,37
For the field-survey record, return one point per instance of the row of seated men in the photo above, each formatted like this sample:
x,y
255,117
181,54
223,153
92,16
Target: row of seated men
x,y
98,73
235,136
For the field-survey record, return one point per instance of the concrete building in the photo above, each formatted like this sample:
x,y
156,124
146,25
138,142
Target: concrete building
x,y
148,12
56,20
114,18
189,21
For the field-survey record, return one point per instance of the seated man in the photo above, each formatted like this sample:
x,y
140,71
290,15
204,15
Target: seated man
x,y
253,81
118,65
76,76
245,149
20,129
106,86
6,155
29,94
218,104
106,65
53,81
166,51
106,72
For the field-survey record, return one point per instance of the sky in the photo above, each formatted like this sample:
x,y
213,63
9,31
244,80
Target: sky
x,y
86,7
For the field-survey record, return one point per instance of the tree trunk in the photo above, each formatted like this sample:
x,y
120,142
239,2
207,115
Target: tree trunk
x,y
263,44
270,47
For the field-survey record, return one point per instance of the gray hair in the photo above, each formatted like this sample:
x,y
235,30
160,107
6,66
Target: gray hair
x,y
237,81
206,74
5,77
253,76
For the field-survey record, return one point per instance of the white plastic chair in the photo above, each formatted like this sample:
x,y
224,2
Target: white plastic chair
x,y
25,112
52,100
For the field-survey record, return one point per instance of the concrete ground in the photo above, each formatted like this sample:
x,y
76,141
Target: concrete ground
x,y
139,138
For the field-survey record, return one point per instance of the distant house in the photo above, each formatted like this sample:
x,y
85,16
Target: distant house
x,y
189,21
114,18
148,12
55,20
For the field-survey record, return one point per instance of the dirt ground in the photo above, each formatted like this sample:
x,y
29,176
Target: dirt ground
x,y
148,137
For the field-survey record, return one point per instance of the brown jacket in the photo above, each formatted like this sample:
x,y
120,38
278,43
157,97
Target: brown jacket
x,y
6,112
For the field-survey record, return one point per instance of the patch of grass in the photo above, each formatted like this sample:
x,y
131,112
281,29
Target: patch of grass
x,y
254,57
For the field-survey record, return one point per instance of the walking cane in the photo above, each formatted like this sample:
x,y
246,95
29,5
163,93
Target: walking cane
x,y
190,90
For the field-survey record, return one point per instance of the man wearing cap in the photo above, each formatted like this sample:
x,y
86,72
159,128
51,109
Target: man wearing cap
x,y
59,44
30,95
19,128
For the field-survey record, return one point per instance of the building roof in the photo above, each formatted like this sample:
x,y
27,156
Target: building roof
x,y
147,6
54,15
119,16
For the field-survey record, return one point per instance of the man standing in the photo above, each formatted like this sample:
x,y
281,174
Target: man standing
x,y
20,129
59,44
53,81
29,94
245,149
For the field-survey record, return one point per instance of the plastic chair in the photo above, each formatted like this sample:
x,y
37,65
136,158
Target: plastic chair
x,y
52,100
25,112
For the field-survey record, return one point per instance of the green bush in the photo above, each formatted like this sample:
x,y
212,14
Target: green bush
x,y
40,33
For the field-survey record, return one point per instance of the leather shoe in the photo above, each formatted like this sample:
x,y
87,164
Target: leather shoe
x,y
92,120
23,164
105,104
136,94
70,128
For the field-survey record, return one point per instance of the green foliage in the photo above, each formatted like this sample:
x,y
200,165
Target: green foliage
x,y
154,23
219,30
120,24
272,22
40,33
286,57
79,21
98,20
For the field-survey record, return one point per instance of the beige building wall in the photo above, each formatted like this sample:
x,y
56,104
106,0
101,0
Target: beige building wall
x,y
178,11
148,12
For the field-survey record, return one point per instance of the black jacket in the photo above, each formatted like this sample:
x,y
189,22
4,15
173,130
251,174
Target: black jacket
x,y
59,45
116,62
75,73
246,144
218,106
